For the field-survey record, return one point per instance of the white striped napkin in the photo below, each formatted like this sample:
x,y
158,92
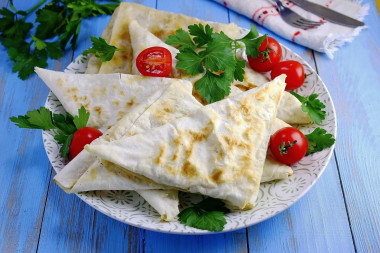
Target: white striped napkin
x,y
326,38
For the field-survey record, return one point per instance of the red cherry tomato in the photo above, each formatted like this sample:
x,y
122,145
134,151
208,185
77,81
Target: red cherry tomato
x,y
295,74
154,61
288,145
81,137
270,54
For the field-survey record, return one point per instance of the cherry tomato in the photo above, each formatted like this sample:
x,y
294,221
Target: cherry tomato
x,y
295,74
288,145
81,137
270,54
154,61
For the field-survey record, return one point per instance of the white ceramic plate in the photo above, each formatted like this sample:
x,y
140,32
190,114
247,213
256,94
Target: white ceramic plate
x,y
274,197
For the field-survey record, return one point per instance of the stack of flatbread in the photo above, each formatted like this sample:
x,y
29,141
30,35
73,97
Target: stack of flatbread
x,y
159,137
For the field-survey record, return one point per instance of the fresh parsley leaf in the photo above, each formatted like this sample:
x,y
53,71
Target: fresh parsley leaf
x,y
239,70
58,20
64,126
51,19
312,106
41,118
181,38
64,150
318,140
252,44
82,118
101,49
213,54
218,57
202,35
206,215
213,87
190,61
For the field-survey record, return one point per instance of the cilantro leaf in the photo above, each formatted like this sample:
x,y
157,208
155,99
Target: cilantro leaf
x,y
82,118
202,35
181,38
213,87
101,49
312,106
318,140
206,215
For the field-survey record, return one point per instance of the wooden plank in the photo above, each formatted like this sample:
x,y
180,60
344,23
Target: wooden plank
x,y
353,79
227,242
26,173
71,225
309,225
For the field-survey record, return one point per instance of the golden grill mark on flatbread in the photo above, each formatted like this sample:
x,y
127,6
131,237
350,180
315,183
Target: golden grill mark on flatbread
x,y
161,154
131,102
195,136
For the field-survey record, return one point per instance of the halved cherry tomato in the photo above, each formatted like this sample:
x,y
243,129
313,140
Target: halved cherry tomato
x,y
81,137
154,61
288,145
270,54
295,74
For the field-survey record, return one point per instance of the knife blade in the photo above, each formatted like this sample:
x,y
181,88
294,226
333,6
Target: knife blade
x,y
328,14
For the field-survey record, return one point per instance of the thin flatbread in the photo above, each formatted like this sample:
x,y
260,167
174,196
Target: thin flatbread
x,y
219,152
160,23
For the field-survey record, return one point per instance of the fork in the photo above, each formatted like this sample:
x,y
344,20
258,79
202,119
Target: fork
x,y
294,19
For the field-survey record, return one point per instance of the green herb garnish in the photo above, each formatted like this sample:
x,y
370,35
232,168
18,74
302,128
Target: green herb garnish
x,y
214,55
64,125
206,215
318,140
312,106
58,24
101,49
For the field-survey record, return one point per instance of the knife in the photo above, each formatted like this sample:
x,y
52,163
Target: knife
x,y
328,14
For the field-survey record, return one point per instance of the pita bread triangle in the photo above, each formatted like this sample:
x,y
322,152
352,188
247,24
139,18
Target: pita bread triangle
x,y
108,97
219,152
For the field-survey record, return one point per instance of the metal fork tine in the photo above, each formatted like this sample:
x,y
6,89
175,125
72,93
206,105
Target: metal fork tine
x,y
294,19
310,22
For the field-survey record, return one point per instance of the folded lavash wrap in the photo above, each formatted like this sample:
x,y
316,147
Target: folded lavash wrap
x,y
84,172
219,151
326,38
108,98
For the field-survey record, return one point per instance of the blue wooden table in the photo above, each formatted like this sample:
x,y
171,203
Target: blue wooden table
x,y
341,213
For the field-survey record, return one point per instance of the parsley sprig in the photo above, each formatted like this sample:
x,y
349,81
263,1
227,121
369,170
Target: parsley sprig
x,y
214,55
318,140
313,106
64,125
58,24
206,215
101,49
